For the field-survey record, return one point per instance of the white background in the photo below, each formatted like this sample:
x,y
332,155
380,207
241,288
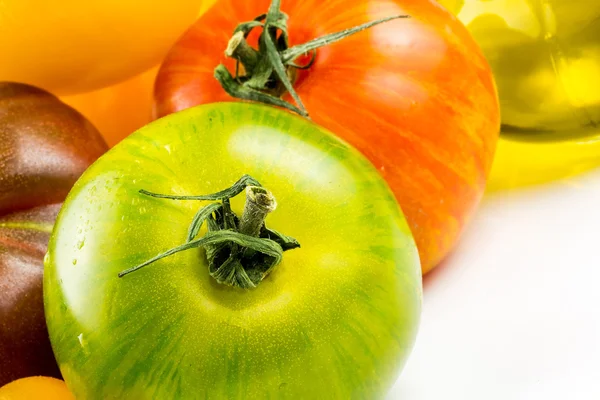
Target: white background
x,y
514,313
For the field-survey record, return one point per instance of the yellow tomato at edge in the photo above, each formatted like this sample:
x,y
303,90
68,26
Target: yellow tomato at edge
x,y
73,46
36,388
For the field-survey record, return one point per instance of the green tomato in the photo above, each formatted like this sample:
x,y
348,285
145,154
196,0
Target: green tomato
x,y
336,318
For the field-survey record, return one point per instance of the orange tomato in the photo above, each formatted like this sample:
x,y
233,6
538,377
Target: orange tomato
x,y
36,388
416,96
118,110
73,46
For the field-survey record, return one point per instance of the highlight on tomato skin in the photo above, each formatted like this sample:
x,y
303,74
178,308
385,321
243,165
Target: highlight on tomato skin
x,y
416,96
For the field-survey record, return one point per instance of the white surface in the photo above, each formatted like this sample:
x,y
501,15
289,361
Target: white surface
x,y
515,312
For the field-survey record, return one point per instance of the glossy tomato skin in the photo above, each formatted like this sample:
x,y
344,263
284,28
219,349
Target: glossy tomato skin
x,y
336,319
44,147
415,96
74,46
36,387
24,345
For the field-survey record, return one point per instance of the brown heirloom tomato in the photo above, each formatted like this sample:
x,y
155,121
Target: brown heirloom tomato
x,y
44,146
415,95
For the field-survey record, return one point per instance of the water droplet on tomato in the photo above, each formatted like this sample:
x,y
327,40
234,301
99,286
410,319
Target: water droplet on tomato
x,y
81,340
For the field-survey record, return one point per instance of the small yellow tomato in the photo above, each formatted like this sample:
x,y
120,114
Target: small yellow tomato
x,y
34,388
73,46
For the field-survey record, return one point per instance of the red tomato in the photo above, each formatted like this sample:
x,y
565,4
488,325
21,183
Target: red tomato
x,y
416,96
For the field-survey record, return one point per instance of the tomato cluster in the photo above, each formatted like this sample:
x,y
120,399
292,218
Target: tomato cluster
x,y
231,249
414,95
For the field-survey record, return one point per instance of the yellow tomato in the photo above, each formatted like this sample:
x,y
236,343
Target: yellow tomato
x,y
118,110
546,60
72,46
34,388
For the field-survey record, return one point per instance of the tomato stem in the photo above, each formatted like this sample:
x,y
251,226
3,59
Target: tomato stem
x,y
241,252
237,90
269,70
259,202
239,49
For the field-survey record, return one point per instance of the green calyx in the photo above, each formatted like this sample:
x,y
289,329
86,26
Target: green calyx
x,y
241,251
269,71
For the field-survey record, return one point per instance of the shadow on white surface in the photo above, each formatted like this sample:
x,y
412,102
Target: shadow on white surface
x,y
514,313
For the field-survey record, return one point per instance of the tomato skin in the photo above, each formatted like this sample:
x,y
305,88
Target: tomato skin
x,y
120,109
336,319
75,46
36,387
44,147
415,96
